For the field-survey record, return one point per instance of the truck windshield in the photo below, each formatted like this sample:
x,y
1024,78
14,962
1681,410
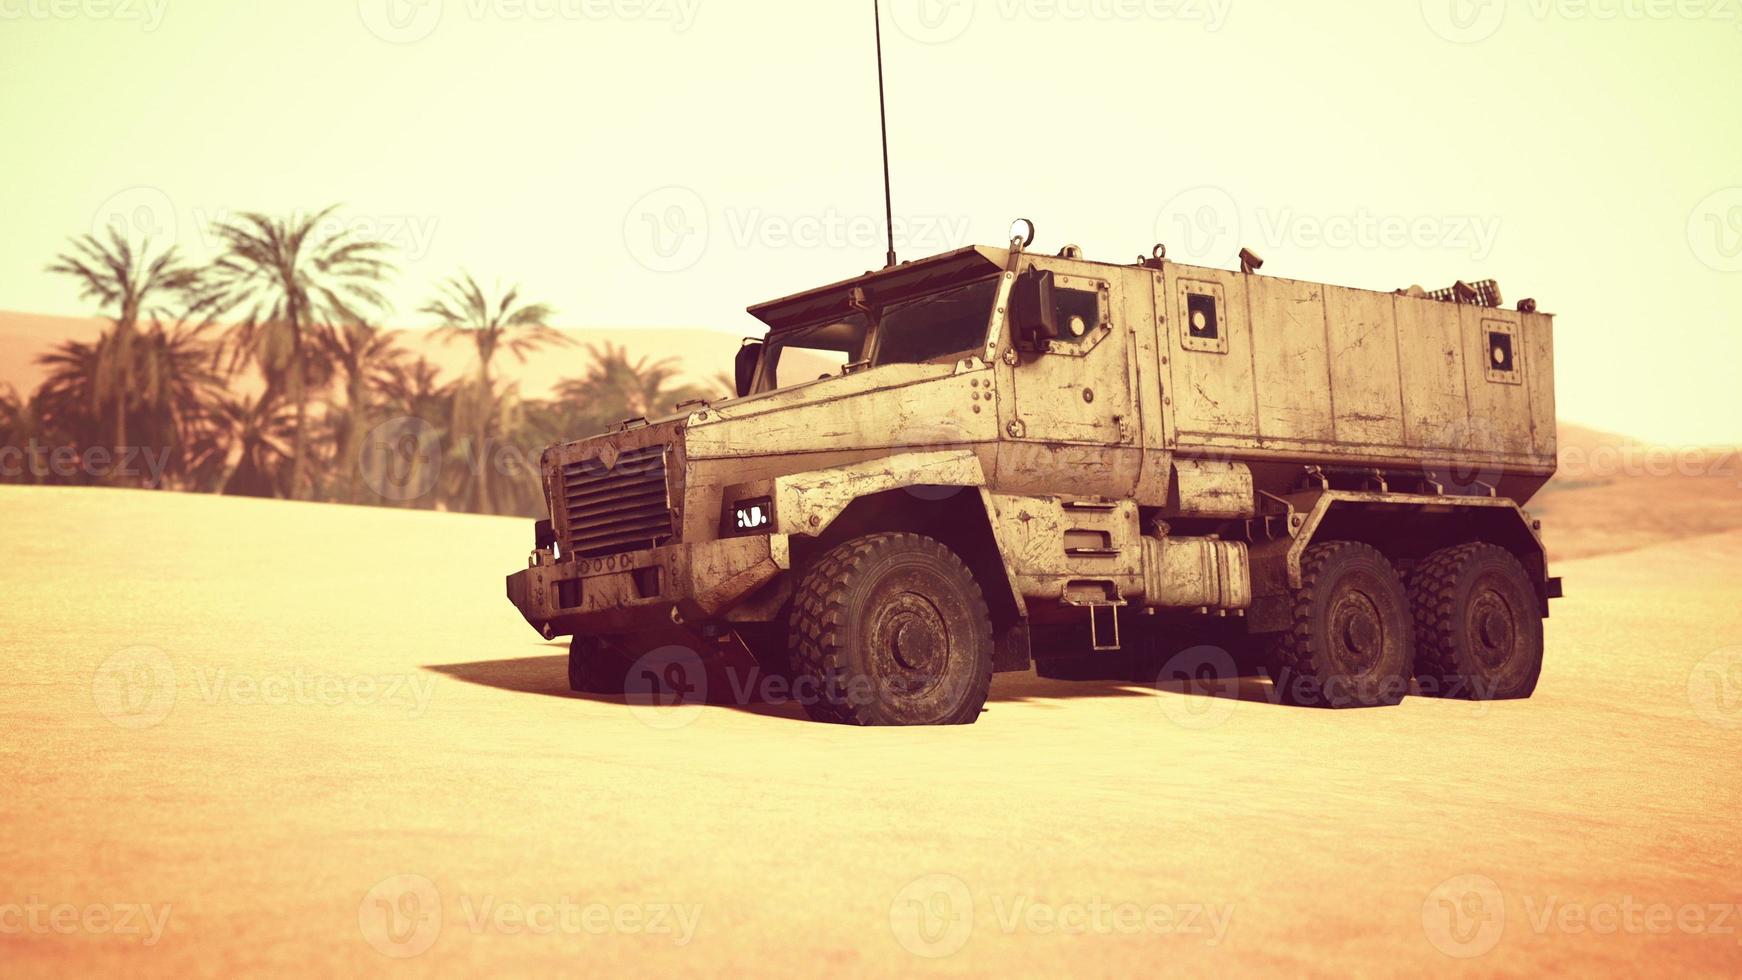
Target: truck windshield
x,y
942,326
820,351
935,327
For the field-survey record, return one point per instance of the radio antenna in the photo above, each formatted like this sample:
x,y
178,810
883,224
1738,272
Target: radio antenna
x,y
883,120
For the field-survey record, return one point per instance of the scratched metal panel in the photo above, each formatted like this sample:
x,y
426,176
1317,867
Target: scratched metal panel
x,y
1499,410
1212,392
1538,329
1288,353
1365,386
1431,360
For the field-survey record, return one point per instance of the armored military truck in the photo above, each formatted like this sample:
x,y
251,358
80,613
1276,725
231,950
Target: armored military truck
x,y
995,458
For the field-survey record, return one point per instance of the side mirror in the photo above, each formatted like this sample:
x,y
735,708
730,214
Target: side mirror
x,y
744,366
1033,309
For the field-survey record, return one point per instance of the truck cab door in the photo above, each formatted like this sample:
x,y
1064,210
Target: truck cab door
x,y
1075,388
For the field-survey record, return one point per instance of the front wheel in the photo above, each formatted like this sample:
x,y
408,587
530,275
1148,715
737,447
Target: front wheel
x,y
596,665
891,629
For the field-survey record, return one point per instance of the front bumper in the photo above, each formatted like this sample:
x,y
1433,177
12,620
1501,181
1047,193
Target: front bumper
x,y
645,589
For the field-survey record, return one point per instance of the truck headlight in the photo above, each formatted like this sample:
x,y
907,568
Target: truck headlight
x,y
752,516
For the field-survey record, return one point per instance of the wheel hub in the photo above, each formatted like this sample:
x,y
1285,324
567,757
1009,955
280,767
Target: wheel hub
x,y
910,630
1492,628
1358,631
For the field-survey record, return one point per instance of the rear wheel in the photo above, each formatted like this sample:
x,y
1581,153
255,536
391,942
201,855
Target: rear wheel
x,y
1478,624
1352,640
891,629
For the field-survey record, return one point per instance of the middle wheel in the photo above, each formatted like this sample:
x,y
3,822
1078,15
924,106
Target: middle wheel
x,y
1352,640
891,629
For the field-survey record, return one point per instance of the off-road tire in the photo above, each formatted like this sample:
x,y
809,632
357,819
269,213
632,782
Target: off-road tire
x,y
891,629
1351,643
1478,625
596,665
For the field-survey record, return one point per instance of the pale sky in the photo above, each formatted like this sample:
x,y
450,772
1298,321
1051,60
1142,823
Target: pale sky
x,y
669,162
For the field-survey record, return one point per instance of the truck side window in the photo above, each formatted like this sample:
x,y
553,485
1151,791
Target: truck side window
x,y
1201,306
1079,313
1201,317
1502,352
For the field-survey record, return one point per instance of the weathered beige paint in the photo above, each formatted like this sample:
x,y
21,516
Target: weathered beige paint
x,y
1073,447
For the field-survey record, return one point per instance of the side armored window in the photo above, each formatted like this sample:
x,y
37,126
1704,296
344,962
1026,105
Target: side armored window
x,y
1079,313
1201,318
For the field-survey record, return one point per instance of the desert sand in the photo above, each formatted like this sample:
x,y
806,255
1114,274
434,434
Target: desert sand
x,y
257,736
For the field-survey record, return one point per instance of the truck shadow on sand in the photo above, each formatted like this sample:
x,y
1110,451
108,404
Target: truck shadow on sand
x,y
548,676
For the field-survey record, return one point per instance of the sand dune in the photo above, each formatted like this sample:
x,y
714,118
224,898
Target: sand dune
x,y
313,738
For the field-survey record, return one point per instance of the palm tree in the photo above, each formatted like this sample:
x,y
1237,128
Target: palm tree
x,y
479,409
508,325
413,389
364,357
173,382
615,387
241,445
128,285
21,429
291,277
67,404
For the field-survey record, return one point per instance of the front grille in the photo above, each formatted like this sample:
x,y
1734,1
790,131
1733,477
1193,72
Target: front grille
x,y
624,508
